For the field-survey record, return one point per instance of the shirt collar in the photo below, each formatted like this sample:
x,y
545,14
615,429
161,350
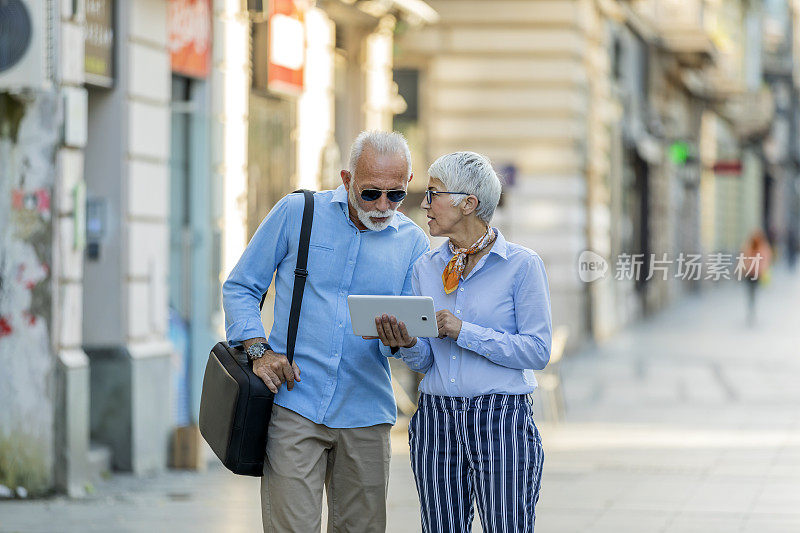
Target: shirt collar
x,y
340,196
500,247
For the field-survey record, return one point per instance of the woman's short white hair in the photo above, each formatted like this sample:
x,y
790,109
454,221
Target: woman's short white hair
x,y
469,173
383,142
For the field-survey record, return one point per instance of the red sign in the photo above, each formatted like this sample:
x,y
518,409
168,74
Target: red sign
x,y
190,37
287,40
733,166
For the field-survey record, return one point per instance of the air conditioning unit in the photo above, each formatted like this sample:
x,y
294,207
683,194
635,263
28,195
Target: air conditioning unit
x,y
24,54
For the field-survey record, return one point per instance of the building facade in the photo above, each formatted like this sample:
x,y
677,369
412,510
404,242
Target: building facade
x,y
142,143
615,124
110,167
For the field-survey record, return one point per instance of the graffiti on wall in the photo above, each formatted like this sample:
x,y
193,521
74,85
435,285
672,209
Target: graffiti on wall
x,y
29,139
27,174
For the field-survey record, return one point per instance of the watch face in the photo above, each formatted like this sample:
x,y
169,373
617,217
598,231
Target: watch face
x,y
257,349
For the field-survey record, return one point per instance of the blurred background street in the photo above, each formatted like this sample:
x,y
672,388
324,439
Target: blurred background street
x,y
688,422
642,144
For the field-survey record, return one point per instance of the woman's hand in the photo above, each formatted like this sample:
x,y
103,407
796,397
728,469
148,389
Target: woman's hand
x,y
393,333
449,325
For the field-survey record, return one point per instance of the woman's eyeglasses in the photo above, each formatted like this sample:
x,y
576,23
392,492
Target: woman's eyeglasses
x,y
429,194
370,195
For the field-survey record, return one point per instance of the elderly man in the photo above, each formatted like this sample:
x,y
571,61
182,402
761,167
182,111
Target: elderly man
x,y
332,427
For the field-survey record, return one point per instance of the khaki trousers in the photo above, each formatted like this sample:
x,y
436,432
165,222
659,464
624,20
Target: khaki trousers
x,y
352,464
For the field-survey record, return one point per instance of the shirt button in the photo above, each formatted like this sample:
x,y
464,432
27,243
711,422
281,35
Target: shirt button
x,y
340,325
461,289
469,344
458,311
452,380
454,357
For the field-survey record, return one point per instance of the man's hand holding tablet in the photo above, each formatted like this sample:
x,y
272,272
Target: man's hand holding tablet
x,y
392,333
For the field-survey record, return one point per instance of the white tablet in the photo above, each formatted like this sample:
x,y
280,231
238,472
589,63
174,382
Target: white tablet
x,y
416,312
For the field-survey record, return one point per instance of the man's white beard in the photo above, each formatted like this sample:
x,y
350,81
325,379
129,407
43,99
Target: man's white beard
x,y
363,216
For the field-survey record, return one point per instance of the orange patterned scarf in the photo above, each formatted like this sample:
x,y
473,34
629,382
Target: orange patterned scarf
x,y
454,268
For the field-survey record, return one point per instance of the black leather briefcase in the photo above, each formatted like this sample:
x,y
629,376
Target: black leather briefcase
x,y
235,410
235,404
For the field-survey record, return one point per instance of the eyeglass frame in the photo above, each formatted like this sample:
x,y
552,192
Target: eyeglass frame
x,y
429,194
381,191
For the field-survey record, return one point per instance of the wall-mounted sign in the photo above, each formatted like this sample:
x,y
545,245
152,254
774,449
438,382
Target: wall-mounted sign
x,y
729,167
287,43
190,37
99,43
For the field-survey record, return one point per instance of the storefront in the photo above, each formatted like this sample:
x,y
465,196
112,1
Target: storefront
x,y
194,239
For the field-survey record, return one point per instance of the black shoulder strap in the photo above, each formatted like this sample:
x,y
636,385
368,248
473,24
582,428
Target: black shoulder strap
x,y
300,272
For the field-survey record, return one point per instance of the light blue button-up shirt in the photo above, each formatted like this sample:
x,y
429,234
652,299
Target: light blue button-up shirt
x,y
504,306
346,381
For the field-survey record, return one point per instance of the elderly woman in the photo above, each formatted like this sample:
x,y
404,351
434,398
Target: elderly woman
x,y
473,435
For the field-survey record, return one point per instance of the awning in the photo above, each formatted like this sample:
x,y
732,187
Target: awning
x,y
417,9
691,45
750,113
415,12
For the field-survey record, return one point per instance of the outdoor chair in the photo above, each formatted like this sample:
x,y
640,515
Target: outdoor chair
x,y
548,398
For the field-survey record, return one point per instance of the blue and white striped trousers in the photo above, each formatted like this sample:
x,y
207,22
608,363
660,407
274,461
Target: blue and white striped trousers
x,y
485,447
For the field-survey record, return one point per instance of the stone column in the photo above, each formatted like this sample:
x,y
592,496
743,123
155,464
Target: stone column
x,y
125,296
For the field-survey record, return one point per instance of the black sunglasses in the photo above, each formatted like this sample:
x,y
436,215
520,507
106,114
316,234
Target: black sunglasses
x,y
370,195
429,194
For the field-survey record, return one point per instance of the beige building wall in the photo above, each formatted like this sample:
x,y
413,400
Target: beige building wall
x,y
526,83
72,367
602,139
315,106
230,77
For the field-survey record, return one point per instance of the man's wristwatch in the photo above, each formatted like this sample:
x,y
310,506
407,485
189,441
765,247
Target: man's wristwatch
x,y
257,350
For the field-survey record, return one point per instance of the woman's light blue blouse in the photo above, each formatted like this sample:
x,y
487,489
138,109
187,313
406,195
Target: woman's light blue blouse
x,y
504,305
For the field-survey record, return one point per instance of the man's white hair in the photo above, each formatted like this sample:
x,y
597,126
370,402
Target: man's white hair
x,y
383,142
469,173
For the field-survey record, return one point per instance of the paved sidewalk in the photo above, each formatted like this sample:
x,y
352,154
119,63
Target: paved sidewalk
x,y
687,422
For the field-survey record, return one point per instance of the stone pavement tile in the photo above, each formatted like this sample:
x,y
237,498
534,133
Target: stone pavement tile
x,y
771,523
723,496
138,518
592,492
739,469
617,521
587,496
740,462
659,494
706,522
566,520
675,460
787,457
784,471
402,505
779,497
